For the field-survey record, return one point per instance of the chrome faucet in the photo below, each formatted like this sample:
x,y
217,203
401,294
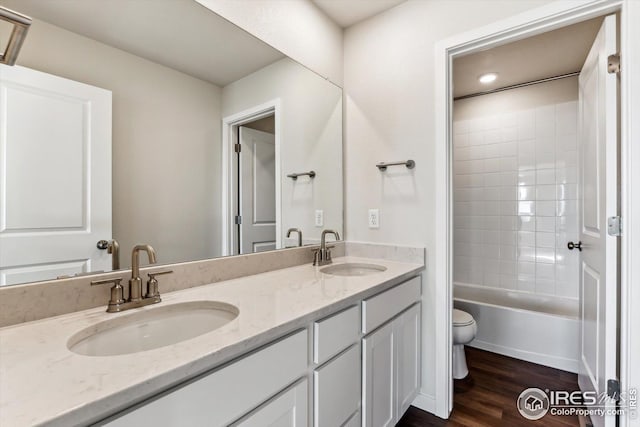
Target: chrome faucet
x,y
136,299
295,230
323,255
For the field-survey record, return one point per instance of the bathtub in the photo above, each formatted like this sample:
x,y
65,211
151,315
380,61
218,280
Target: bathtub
x,y
538,329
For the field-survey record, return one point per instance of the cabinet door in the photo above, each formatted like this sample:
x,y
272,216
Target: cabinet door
x,y
378,378
288,409
337,389
406,332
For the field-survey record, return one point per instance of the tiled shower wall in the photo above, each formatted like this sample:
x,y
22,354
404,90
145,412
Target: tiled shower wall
x,y
515,203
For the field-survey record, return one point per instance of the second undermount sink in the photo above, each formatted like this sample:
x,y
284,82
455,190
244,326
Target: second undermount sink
x,y
152,328
353,269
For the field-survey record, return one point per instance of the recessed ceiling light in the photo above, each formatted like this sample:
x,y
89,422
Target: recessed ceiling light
x,y
488,78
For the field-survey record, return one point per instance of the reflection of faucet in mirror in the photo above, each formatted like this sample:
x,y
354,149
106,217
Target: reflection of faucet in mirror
x,y
323,255
113,248
295,230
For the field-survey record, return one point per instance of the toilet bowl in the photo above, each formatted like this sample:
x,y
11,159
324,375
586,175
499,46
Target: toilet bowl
x,y
464,331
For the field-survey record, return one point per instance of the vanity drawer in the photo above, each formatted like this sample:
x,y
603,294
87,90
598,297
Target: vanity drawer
x,y
333,334
337,389
382,307
228,393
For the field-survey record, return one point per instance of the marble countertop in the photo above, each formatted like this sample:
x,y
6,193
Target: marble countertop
x,y
43,382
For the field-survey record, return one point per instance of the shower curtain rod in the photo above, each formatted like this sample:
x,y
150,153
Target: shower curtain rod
x,y
533,82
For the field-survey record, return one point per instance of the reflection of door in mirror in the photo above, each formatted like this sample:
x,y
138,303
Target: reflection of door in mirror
x,y
257,186
55,176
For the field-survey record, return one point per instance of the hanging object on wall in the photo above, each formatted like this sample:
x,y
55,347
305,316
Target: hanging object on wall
x,y
294,176
21,23
410,164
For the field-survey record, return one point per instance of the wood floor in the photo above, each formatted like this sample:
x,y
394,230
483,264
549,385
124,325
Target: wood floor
x,y
491,399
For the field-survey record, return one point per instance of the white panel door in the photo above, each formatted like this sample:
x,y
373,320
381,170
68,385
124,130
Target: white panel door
x,y
257,191
378,378
288,409
407,342
598,192
55,176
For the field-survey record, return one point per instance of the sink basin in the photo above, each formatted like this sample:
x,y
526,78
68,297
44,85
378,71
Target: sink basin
x,y
152,328
353,269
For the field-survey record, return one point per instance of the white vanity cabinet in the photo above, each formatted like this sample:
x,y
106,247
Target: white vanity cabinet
x,y
363,370
228,393
390,354
288,409
336,382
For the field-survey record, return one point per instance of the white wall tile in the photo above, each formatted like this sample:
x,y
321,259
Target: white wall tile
x,y
515,204
545,192
527,177
545,176
460,127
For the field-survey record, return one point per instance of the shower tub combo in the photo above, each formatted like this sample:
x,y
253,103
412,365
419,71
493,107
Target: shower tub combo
x,y
535,328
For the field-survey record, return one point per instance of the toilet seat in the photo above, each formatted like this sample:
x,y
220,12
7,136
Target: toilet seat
x,y
462,318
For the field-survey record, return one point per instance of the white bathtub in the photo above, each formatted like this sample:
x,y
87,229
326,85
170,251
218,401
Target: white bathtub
x,y
539,329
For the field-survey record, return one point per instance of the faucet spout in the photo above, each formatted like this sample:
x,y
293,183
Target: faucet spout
x,y
135,284
323,244
295,230
323,255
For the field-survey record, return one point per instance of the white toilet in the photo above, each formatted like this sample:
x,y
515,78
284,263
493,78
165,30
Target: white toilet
x,y
464,331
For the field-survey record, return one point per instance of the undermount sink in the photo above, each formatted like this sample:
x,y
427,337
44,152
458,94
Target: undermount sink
x,y
353,269
153,328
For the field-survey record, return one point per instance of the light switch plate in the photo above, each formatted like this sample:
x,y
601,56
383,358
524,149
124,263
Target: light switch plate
x,y
319,218
374,218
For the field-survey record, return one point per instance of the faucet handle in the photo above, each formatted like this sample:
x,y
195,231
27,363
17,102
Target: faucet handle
x,y
158,273
114,280
117,293
152,284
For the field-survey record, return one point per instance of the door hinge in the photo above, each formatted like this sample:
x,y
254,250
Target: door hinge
x,y
614,226
237,147
613,389
237,219
613,64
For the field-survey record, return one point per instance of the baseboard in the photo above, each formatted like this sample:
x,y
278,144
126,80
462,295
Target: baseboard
x,y
426,403
562,363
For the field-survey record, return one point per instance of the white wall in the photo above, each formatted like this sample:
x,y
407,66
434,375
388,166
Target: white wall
x,y
311,139
515,189
166,142
297,28
389,75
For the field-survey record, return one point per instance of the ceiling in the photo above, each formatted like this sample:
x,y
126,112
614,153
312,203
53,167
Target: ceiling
x,y
348,12
180,34
549,54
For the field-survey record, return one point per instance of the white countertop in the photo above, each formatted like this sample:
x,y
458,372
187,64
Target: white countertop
x,y
42,381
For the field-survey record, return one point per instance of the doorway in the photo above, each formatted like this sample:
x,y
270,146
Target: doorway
x,y
534,24
255,183
251,190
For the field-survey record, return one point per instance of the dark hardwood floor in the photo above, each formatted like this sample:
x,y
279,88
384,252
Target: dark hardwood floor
x,y
490,400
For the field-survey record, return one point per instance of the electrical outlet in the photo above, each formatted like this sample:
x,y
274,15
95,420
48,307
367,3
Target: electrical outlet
x,y
374,218
319,218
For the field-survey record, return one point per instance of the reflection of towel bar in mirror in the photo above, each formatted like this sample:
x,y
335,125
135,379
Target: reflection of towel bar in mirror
x,y
294,176
410,164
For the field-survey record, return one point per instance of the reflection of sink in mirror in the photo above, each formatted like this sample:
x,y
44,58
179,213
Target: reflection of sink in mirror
x,y
167,109
153,328
353,269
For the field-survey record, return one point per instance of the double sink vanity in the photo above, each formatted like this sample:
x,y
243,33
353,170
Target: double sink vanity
x,y
305,345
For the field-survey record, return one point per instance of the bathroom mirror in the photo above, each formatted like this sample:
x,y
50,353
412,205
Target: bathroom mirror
x,y
157,122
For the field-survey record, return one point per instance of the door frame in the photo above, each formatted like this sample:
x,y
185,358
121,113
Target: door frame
x,y
230,125
552,16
